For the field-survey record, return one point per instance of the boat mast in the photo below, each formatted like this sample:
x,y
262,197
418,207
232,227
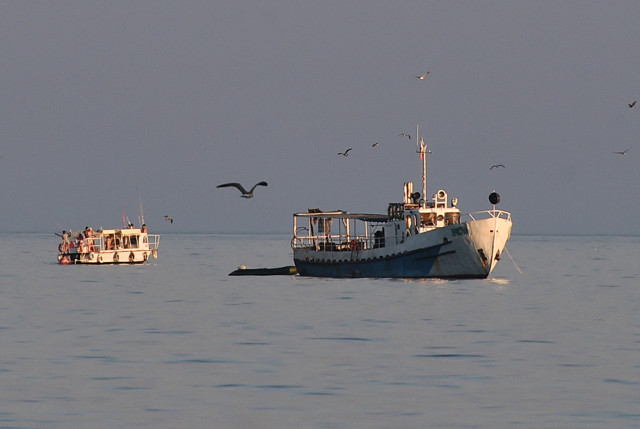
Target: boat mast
x,y
422,150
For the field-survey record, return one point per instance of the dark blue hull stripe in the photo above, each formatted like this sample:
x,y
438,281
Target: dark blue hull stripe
x,y
412,264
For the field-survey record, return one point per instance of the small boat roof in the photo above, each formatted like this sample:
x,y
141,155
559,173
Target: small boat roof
x,y
339,214
126,231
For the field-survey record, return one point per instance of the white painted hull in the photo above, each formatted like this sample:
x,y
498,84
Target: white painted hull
x,y
108,257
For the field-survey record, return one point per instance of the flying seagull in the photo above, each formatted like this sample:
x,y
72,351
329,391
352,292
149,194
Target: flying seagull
x,y
245,194
632,105
496,166
345,153
406,135
169,218
422,76
623,151
376,144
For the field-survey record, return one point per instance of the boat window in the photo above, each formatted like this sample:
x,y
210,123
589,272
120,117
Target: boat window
x,y
109,242
428,218
451,218
134,241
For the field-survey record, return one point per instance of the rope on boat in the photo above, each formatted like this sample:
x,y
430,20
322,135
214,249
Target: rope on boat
x,y
514,262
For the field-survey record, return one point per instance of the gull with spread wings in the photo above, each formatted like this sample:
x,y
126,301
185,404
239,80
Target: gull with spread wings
x,y
623,152
245,193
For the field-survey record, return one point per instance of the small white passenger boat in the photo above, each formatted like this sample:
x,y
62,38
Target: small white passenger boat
x,y
108,246
414,239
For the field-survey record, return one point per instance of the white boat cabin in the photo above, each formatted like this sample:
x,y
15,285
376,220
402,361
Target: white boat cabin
x,y
109,246
339,230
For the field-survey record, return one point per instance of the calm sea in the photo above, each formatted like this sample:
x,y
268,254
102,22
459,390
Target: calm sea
x,y
177,343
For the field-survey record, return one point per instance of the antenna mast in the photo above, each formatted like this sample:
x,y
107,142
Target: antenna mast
x,y
422,150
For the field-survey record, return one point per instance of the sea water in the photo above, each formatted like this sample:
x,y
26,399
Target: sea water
x,y
551,340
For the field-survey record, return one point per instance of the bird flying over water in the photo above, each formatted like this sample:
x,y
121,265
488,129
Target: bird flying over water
x,y
345,153
376,144
406,135
632,105
422,76
496,166
623,152
245,193
169,218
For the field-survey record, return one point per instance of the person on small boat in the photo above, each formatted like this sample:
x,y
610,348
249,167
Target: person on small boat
x,y
64,236
109,242
89,234
144,228
64,246
80,242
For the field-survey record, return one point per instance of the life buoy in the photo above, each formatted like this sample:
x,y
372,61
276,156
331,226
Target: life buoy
x,y
59,258
91,256
116,257
144,256
63,247
154,253
132,257
100,259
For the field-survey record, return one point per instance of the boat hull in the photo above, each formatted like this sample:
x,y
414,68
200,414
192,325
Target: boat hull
x,y
108,257
467,250
279,271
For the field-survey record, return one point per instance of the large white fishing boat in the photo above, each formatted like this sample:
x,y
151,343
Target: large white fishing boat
x,y
108,246
414,239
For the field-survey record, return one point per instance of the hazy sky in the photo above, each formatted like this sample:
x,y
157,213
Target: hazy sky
x,y
106,103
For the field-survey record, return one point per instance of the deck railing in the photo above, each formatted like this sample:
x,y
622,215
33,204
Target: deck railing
x,y
338,242
488,214
97,244
154,241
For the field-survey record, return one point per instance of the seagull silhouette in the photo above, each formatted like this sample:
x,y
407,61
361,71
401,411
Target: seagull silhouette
x,y
422,76
169,218
623,152
245,193
496,166
406,135
632,105
376,144
345,153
